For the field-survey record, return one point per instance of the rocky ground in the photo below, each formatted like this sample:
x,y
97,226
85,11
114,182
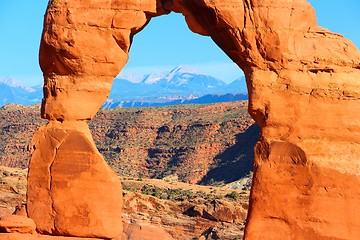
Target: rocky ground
x,y
12,189
158,207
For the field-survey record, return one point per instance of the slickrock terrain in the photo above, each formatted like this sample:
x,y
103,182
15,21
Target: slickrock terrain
x,y
303,93
153,208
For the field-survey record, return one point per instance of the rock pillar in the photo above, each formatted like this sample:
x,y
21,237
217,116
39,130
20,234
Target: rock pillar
x,y
71,190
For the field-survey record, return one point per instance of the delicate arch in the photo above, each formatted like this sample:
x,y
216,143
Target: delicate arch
x,y
302,93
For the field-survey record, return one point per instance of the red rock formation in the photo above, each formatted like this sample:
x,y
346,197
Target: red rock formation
x,y
304,95
144,232
302,87
17,224
218,210
19,236
71,190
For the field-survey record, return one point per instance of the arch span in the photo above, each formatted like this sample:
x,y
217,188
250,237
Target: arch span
x,y
303,93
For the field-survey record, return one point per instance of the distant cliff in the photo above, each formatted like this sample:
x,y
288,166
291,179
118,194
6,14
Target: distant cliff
x,y
193,143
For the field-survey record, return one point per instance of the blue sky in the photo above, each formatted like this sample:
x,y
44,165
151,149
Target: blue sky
x,y
163,44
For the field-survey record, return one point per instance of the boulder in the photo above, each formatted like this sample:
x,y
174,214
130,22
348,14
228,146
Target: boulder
x,y
143,231
17,224
218,210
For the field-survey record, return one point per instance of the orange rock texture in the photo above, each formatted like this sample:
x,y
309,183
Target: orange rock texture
x,y
144,232
71,190
17,224
303,93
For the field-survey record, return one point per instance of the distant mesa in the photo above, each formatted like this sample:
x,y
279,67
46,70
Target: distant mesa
x,y
176,100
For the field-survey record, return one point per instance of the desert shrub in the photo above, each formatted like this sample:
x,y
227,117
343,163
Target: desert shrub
x,y
148,192
189,194
132,189
164,196
172,196
233,195
157,192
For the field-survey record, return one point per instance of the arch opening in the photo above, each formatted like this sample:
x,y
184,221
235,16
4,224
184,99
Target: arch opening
x,y
234,152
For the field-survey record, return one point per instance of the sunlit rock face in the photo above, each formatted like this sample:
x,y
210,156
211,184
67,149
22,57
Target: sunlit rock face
x,y
71,189
303,84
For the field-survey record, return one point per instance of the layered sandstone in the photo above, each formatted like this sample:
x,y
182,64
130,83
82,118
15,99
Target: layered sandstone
x,y
303,89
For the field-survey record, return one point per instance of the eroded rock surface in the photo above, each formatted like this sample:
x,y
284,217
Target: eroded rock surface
x,y
17,224
303,88
71,190
144,232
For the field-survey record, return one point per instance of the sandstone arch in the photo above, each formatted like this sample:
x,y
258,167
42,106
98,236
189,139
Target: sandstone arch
x,y
304,94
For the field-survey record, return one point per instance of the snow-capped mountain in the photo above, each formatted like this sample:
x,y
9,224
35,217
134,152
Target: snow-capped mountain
x,y
153,78
11,82
168,76
180,81
13,91
133,78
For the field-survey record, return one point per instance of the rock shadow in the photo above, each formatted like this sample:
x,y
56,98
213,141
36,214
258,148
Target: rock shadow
x,y
236,161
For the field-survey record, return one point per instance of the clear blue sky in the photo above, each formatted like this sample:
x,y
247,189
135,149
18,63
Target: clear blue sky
x,y
164,43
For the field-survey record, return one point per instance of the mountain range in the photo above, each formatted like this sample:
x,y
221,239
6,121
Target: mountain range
x,y
12,91
181,85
